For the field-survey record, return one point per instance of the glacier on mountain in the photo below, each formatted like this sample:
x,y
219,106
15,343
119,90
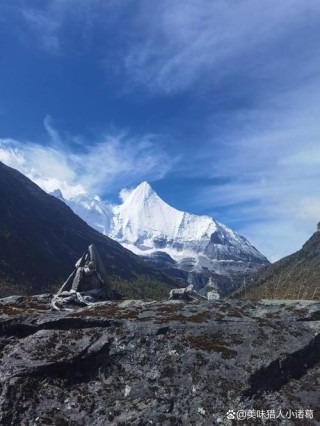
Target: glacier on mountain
x,y
198,249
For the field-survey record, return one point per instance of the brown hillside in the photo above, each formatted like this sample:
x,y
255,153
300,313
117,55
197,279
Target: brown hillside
x,y
294,277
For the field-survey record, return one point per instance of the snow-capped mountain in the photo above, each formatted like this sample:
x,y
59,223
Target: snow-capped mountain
x,y
97,213
195,248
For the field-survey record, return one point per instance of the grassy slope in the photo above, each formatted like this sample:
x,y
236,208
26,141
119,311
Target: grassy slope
x,y
294,277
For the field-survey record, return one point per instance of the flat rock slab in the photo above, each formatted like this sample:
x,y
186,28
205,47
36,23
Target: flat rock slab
x,y
161,363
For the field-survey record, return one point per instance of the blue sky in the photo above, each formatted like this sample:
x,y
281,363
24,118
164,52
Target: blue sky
x,y
215,103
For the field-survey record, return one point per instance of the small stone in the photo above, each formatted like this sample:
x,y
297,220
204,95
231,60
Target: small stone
x,y
202,411
127,390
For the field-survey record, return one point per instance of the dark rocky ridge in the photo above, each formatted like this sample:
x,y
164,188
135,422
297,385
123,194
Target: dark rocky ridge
x,y
294,277
169,363
41,239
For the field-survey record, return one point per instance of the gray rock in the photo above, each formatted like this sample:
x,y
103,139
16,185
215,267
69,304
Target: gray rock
x,y
186,294
168,363
87,283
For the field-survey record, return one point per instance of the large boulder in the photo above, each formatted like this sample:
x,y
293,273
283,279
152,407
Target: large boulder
x,y
169,363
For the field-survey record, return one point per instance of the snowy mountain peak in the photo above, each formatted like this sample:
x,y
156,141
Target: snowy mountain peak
x,y
144,186
94,211
145,215
141,193
201,247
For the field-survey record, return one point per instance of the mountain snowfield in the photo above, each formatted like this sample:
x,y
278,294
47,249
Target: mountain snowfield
x,y
195,248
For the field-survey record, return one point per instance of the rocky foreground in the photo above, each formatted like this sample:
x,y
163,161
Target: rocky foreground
x,y
160,363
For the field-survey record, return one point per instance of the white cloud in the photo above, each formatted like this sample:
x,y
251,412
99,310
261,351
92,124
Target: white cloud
x,y
49,20
100,167
183,42
309,209
52,131
124,194
271,171
46,27
168,46
47,167
11,156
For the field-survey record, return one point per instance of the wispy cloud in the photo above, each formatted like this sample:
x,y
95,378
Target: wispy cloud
x,y
46,28
124,193
99,167
181,44
169,47
52,132
54,23
46,166
270,171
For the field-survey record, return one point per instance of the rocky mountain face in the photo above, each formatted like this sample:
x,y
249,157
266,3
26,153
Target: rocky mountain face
x,y
160,363
195,248
41,239
294,277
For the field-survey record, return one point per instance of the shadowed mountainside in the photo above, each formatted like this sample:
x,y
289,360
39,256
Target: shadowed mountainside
x,y
41,239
